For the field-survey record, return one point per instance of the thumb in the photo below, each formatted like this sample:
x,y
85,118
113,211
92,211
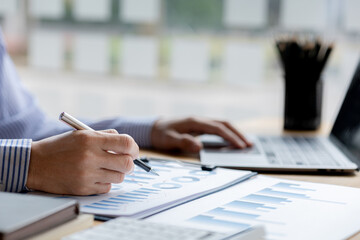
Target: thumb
x,y
188,143
112,131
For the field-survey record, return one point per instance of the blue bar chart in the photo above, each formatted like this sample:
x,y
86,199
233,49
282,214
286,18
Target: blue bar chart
x,y
252,207
115,202
249,206
287,209
141,192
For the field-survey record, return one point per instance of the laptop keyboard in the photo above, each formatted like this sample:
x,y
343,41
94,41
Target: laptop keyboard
x,y
301,151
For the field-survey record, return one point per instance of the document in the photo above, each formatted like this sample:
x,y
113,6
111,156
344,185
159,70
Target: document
x,y
288,209
22,216
143,194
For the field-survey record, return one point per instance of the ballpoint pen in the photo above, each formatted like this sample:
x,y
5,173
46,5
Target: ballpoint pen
x,y
78,125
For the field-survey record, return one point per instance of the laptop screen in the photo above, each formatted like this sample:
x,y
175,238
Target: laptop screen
x,y
347,125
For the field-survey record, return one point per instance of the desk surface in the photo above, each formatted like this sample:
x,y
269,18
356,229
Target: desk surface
x,y
273,126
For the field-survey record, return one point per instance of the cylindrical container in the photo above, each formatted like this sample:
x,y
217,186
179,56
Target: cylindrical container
x,y
303,101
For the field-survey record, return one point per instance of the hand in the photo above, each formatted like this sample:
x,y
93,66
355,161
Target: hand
x,y
179,133
79,163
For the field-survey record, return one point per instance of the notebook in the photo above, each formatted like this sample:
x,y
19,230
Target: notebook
x,y
23,215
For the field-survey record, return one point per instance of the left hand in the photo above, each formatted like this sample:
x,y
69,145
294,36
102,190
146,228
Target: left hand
x,y
180,133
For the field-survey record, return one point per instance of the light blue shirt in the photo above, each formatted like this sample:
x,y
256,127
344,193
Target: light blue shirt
x,y
21,121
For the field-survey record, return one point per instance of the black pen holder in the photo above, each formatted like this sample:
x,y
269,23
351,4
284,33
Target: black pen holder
x,y
303,101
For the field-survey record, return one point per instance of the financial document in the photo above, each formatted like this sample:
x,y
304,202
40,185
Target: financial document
x,y
287,209
142,194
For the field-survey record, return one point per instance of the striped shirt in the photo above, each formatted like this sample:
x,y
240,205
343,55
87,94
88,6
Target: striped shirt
x,y
15,154
21,121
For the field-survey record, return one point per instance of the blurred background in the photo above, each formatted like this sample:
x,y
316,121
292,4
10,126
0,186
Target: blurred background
x,y
214,58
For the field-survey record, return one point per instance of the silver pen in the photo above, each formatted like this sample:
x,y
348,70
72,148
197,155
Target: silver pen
x,y
78,125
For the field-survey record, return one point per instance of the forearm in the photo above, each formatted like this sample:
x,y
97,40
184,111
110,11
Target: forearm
x,y
137,128
14,164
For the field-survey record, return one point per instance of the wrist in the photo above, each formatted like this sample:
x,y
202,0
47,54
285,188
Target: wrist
x,y
155,133
33,175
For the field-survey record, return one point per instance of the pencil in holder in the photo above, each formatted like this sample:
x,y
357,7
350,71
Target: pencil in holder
x,y
303,63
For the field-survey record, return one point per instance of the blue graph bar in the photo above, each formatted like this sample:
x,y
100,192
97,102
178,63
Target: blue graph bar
x,y
202,173
227,213
144,192
137,194
266,199
101,208
104,204
113,202
248,205
133,181
167,185
138,177
270,191
210,221
150,189
121,199
291,186
130,197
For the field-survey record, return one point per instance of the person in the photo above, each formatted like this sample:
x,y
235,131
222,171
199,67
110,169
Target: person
x,y
40,153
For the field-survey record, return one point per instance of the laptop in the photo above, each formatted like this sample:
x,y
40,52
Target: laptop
x,y
338,152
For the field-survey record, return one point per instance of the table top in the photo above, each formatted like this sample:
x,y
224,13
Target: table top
x,y
274,126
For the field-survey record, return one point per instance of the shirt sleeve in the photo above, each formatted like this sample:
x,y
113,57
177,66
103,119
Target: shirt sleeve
x,y
14,164
21,116
138,128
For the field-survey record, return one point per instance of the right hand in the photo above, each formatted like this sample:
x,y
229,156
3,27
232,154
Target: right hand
x,y
79,162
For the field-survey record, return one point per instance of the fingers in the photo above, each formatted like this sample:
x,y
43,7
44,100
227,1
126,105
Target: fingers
x,y
109,176
118,143
117,162
183,141
218,128
101,188
239,134
112,131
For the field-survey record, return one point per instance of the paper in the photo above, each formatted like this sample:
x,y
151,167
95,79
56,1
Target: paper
x,y
47,49
92,10
243,63
140,11
139,57
143,194
288,209
91,53
351,15
190,60
244,13
304,15
52,9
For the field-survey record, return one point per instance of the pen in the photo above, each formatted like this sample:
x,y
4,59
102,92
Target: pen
x,y
73,122
203,167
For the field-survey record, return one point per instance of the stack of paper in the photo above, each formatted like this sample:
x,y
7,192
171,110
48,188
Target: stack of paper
x,y
143,194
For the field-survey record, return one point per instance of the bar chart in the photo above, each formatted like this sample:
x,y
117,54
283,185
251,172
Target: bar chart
x,y
285,208
235,215
142,193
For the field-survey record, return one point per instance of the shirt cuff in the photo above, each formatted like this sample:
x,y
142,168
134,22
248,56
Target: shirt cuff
x,y
140,130
14,164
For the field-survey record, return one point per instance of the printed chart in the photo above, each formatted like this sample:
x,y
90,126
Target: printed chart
x,y
142,194
288,209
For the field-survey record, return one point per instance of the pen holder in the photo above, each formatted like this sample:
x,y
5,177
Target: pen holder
x,y
303,101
